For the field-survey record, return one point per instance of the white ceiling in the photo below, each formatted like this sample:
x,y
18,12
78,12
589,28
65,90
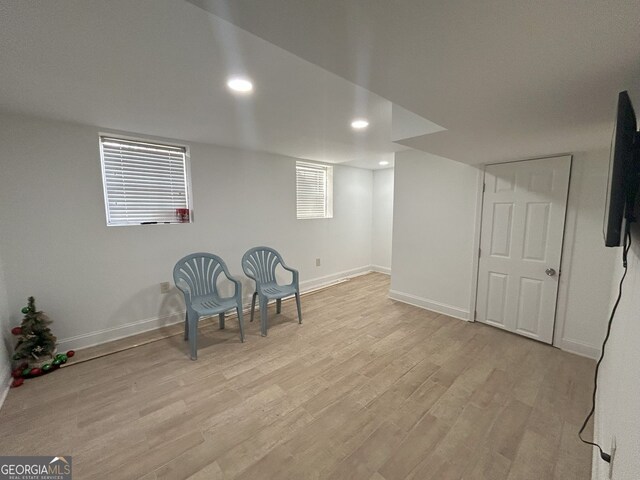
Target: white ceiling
x,y
507,78
159,67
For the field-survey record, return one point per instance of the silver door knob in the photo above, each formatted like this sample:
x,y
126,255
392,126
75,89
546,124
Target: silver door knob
x,y
550,271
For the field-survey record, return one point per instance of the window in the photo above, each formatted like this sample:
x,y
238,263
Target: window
x,y
314,190
144,183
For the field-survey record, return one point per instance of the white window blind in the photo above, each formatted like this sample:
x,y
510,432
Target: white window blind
x,y
314,191
143,182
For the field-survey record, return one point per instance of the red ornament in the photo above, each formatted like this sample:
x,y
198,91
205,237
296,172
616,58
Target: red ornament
x,y
71,353
16,330
17,382
35,372
17,373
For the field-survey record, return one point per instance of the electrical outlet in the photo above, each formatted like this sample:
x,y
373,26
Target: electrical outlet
x,y
317,262
165,287
613,457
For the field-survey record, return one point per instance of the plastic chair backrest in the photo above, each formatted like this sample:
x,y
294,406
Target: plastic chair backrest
x,y
260,264
199,272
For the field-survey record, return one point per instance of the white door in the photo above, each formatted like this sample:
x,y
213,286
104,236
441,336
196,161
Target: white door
x,y
523,216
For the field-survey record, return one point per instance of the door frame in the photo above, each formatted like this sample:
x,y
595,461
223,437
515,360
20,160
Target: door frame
x,y
566,249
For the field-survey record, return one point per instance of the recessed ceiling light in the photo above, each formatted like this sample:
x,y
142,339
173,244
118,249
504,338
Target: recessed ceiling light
x,y
383,163
359,124
240,84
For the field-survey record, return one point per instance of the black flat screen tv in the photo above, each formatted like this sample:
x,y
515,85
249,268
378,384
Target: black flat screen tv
x,y
624,171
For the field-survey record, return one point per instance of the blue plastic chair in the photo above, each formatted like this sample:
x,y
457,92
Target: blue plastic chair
x,y
196,275
260,264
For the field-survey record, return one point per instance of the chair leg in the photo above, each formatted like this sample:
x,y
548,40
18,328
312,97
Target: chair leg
x,y
263,316
186,326
193,337
241,322
299,307
221,320
278,305
253,304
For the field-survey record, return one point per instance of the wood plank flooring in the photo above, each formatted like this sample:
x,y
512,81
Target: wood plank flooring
x,y
367,388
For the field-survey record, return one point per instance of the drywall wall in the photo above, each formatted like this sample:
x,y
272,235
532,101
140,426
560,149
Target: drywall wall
x,y
587,265
433,249
433,232
617,406
98,283
382,223
5,337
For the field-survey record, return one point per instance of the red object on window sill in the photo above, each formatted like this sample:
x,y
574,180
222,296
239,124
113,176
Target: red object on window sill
x,y
182,215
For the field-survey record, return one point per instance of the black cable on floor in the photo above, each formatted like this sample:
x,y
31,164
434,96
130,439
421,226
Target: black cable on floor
x,y
625,250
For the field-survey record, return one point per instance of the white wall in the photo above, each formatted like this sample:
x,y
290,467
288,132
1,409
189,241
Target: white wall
x,y
617,405
382,224
433,250
433,232
587,265
98,283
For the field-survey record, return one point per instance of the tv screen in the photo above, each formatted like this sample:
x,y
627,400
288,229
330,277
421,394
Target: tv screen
x,y
623,174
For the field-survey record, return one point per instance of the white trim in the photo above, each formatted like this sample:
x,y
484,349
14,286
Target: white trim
x,y
314,283
578,348
121,331
475,258
432,305
5,384
566,263
133,328
380,269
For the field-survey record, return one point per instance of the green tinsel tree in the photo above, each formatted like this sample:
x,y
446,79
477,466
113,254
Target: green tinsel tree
x,y
35,339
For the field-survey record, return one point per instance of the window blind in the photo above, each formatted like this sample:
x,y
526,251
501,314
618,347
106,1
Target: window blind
x,y
143,182
313,192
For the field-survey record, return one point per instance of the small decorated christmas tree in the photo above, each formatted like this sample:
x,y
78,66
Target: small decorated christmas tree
x,y
36,343
35,352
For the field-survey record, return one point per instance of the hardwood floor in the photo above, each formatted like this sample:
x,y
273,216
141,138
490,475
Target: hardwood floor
x,y
367,388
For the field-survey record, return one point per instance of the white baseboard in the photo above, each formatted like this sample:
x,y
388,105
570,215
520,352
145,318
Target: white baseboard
x,y
133,328
579,348
116,333
380,269
5,384
432,305
326,280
